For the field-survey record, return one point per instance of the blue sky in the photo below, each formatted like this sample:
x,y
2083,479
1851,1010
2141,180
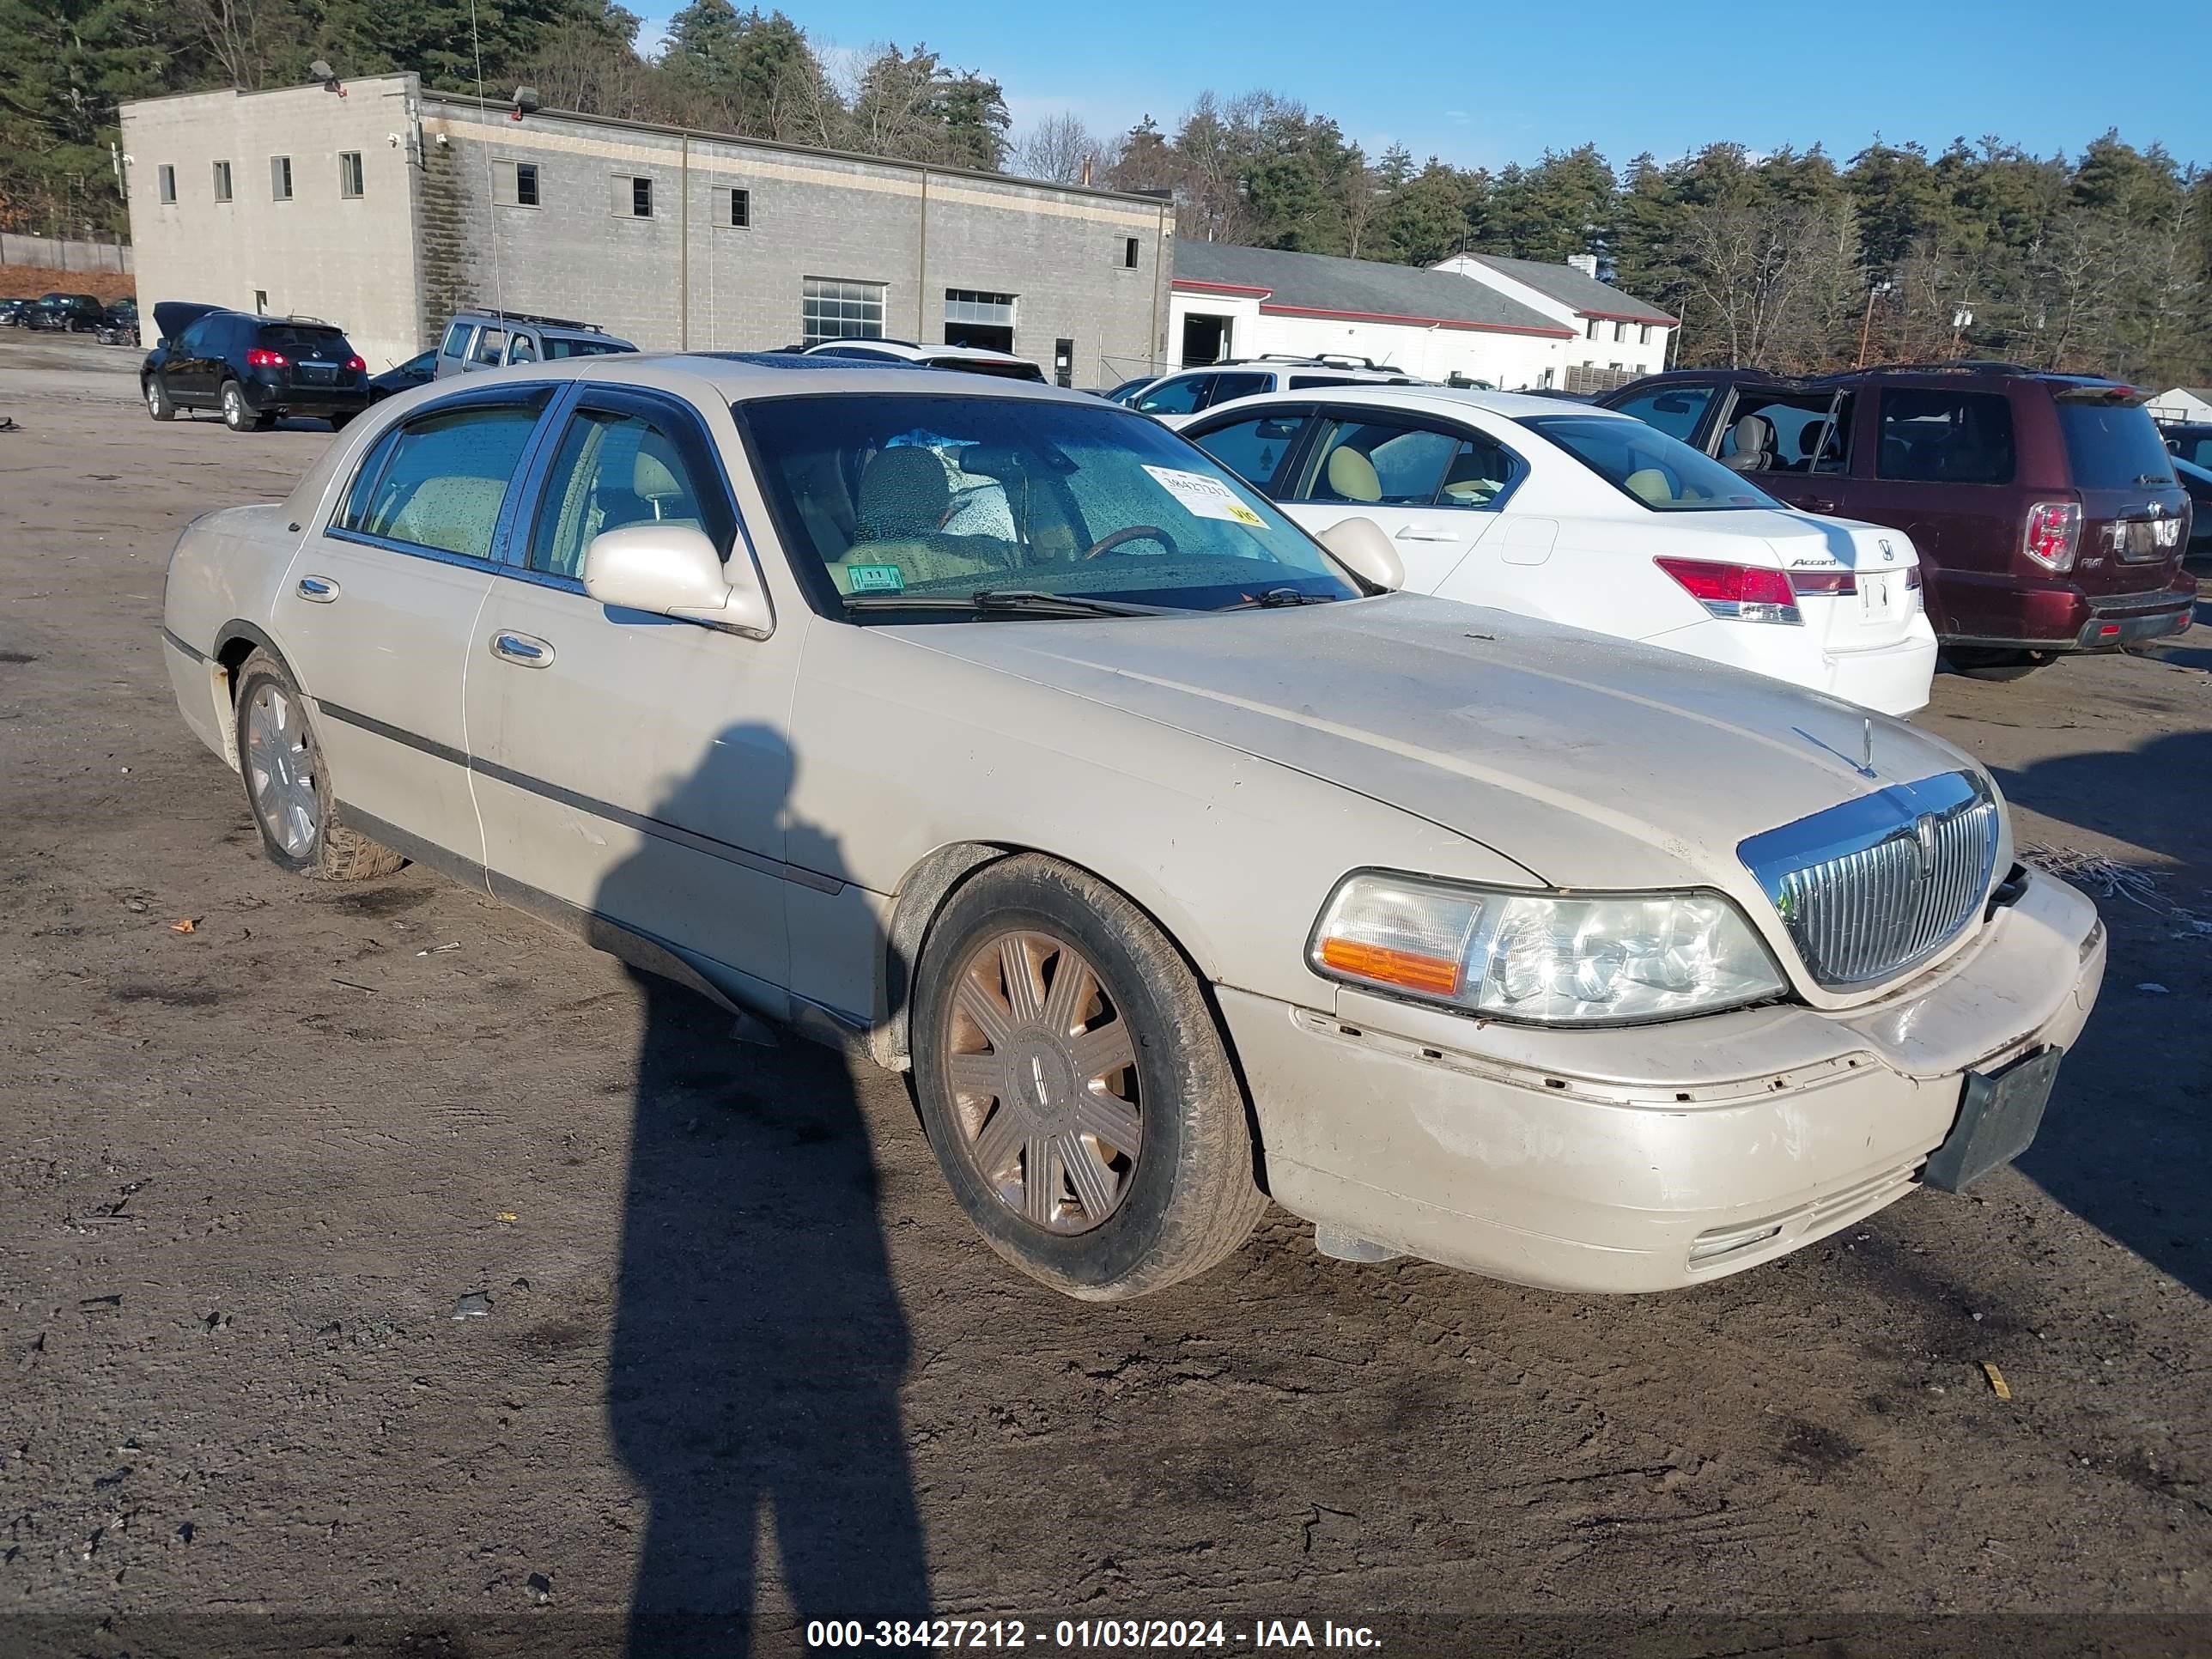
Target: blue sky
x,y
1484,84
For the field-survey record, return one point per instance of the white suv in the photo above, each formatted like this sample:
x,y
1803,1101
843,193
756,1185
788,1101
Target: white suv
x,y
968,360
1174,398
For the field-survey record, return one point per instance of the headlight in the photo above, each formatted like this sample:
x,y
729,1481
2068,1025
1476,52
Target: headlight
x,y
1545,958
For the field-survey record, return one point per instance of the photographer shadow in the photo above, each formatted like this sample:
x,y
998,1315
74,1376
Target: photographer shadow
x,y
758,1344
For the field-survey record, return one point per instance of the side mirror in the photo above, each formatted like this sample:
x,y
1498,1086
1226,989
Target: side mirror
x,y
672,570
1360,545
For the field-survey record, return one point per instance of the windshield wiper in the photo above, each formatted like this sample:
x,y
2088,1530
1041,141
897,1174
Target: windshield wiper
x,y
1270,597
1004,601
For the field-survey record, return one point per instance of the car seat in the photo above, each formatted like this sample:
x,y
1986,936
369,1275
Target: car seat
x,y
1352,476
1754,445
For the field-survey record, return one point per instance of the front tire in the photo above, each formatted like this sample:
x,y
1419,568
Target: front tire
x,y
235,415
157,399
287,783
1075,1088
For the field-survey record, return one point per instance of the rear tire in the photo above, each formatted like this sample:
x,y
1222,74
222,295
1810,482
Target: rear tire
x,y
235,415
1986,663
1107,1047
157,399
287,783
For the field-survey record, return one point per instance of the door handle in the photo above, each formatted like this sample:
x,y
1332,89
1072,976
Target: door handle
x,y
1415,534
1818,504
318,590
523,649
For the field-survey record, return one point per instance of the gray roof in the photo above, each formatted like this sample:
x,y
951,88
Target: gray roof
x,y
1318,282
1588,296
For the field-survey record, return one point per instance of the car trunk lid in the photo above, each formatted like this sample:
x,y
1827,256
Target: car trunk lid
x,y
1858,583
2135,516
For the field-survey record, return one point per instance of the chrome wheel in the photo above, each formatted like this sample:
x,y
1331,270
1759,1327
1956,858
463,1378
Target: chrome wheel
x,y
280,768
153,399
233,405
1041,1070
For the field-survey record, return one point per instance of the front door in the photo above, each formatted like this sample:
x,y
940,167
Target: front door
x,y
631,766
379,609
1430,486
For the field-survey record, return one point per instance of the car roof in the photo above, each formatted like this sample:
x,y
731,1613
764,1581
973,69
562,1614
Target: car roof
x,y
742,376
1436,399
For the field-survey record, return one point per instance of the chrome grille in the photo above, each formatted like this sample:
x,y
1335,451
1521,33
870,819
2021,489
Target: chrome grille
x,y
1878,884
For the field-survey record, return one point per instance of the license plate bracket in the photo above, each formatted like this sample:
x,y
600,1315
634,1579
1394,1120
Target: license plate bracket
x,y
1875,598
1999,1113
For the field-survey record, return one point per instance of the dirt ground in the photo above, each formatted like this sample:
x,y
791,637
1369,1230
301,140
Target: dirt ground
x,y
740,1351
29,281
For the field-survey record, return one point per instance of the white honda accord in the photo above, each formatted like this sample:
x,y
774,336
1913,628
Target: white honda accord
x,y
1185,865
1583,516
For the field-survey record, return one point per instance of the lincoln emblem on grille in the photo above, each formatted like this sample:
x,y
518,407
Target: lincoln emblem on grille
x,y
1924,839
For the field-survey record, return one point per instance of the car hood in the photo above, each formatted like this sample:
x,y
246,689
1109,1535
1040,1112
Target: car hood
x,y
1589,761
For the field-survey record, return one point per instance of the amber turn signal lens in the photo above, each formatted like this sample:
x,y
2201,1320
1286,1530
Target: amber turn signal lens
x,y
1433,976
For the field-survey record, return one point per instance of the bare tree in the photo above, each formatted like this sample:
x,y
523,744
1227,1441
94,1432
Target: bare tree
x,y
238,34
1062,151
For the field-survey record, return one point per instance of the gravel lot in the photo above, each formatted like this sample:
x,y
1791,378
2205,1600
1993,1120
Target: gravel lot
x,y
743,1358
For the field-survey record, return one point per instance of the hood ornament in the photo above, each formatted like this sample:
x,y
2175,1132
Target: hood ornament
x,y
1863,765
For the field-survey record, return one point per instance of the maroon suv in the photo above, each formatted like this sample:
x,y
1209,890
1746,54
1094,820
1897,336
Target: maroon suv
x,y
2043,506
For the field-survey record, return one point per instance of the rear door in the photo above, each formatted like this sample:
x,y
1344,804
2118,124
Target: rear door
x,y
1941,462
1681,409
379,609
1804,461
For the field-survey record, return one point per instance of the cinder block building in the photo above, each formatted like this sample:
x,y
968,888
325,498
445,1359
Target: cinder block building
x,y
383,208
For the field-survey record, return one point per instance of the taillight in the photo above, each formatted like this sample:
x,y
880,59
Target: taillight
x,y
356,364
1830,583
1736,593
2054,532
257,358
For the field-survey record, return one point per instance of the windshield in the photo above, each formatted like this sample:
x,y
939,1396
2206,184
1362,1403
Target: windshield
x,y
2112,445
945,495
283,337
1644,463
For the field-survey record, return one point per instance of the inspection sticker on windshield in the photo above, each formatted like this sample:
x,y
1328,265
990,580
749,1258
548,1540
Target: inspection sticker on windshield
x,y
1204,497
875,579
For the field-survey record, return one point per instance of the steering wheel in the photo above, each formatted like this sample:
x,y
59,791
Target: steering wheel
x,y
1134,533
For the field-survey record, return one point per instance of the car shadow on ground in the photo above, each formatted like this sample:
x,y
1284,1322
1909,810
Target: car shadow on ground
x,y
2129,1137
758,1345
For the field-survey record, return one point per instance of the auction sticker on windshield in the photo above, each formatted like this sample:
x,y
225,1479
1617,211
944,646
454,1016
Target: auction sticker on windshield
x,y
875,577
1204,497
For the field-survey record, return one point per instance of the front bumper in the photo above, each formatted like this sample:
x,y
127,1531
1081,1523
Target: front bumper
x,y
1651,1157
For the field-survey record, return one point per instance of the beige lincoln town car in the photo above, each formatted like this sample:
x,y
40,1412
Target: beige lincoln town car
x,y
997,733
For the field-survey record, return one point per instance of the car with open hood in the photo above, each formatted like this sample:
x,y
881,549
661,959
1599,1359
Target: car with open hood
x,y
1185,865
250,368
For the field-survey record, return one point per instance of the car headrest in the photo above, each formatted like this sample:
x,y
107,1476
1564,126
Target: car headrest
x,y
904,493
1352,476
1649,484
1754,435
652,479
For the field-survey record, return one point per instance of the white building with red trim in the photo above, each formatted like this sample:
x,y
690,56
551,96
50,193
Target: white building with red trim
x,y
1618,337
1254,302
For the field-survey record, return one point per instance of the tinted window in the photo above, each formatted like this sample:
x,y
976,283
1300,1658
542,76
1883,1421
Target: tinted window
x,y
1942,436
457,340
1183,395
1674,410
918,495
1645,464
613,469
491,344
1478,473
2197,450
985,365
521,350
2112,445
443,478
1226,386
296,341
556,347
196,341
1253,448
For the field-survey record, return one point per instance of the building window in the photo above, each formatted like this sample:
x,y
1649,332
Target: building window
x,y
633,196
222,181
260,302
1591,332
168,179
976,319
832,310
1619,331
280,178
349,179
1644,335
514,183
741,210
1128,253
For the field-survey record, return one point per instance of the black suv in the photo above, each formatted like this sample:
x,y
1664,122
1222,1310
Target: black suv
x,y
255,369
